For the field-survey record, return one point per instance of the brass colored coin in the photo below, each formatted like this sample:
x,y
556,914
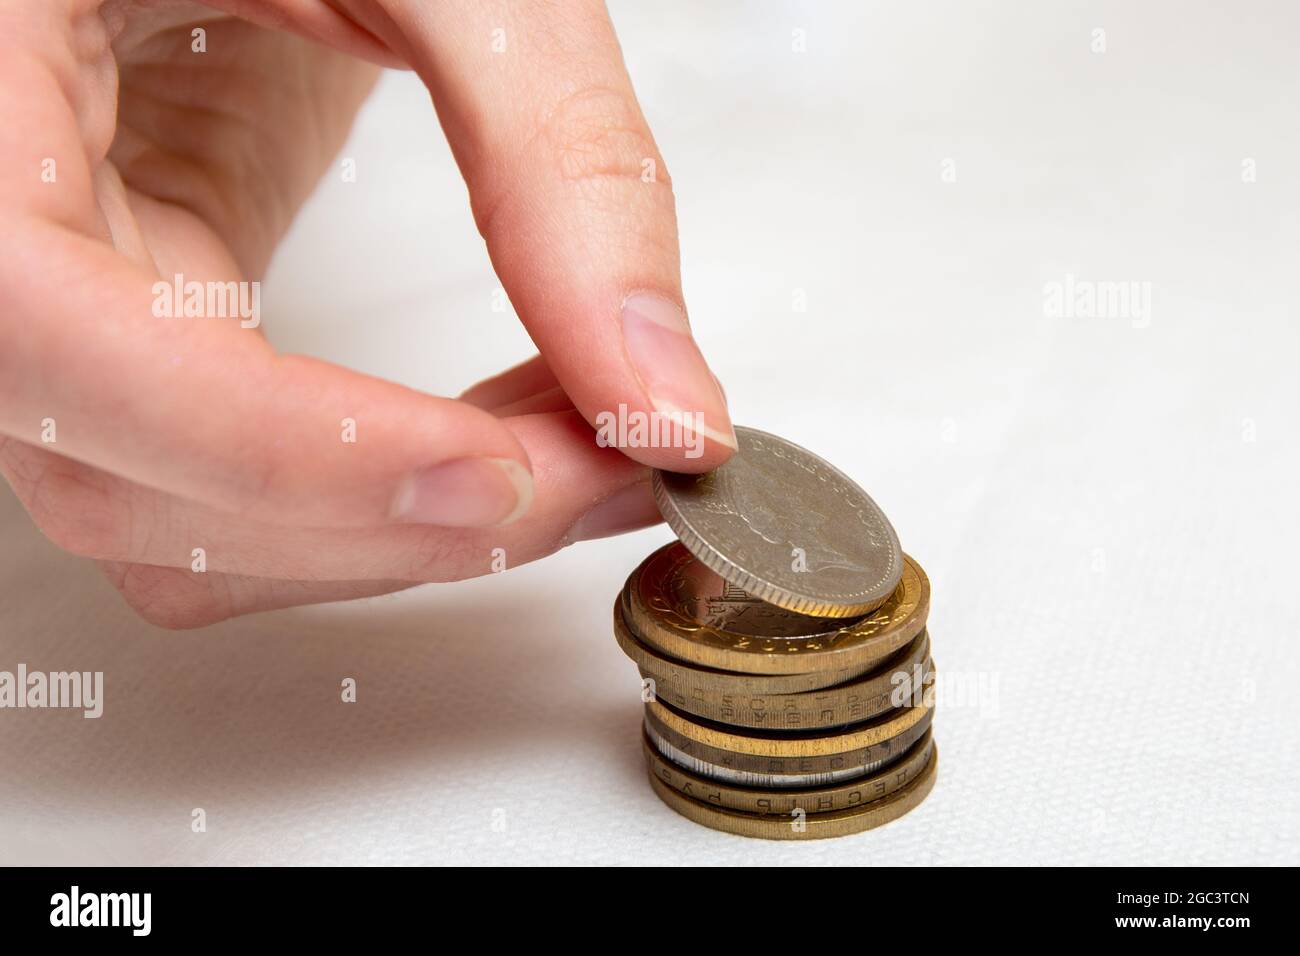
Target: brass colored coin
x,y
714,681
776,744
681,609
727,698
800,825
755,780
680,583
843,796
788,760
773,500
824,711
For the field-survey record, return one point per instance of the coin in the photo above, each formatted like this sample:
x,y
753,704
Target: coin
x,y
836,707
851,793
800,825
717,681
778,637
782,524
730,698
852,769
678,607
752,759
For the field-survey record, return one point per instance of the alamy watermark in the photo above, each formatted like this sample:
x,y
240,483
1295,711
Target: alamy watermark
x,y
181,299
624,429
922,687
130,910
75,690
1075,298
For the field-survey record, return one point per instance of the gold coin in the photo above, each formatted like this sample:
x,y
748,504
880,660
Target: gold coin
x,y
788,760
787,744
714,681
800,825
730,699
719,680
682,609
843,796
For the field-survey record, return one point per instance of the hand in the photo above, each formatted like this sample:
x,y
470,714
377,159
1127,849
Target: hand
x,y
156,444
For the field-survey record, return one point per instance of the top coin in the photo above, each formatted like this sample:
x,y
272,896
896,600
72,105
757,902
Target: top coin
x,y
779,522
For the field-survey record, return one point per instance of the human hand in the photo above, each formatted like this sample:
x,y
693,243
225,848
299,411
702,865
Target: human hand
x,y
143,442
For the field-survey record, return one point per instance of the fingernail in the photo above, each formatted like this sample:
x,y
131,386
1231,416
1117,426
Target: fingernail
x,y
671,367
466,493
627,509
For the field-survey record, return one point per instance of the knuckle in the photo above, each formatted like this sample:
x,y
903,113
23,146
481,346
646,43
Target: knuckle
x,y
599,133
595,146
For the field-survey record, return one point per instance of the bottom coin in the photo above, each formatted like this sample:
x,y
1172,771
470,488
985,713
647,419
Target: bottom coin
x,y
799,824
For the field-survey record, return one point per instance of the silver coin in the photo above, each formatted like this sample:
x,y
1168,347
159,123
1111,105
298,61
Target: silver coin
x,y
782,524
768,781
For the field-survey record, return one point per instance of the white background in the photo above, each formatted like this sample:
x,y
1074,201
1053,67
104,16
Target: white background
x,y
1104,539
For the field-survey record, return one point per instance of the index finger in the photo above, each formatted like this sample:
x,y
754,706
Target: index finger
x,y
571,194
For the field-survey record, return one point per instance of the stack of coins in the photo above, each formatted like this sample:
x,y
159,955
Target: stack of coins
x,y
783,650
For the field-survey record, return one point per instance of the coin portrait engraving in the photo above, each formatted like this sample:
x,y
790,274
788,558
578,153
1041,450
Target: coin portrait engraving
x,y
786,527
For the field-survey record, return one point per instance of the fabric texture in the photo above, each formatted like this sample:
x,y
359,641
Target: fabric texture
x,y
873,232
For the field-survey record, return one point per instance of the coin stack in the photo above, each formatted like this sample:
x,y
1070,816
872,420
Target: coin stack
x,y
783,650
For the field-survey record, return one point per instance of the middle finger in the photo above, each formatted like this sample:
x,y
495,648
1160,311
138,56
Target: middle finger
x,y
582,492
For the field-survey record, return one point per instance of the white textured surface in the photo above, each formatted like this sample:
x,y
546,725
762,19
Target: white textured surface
x,y
1100,538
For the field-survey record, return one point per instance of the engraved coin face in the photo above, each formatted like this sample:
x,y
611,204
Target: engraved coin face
x,y
691,590
781,524
776,641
